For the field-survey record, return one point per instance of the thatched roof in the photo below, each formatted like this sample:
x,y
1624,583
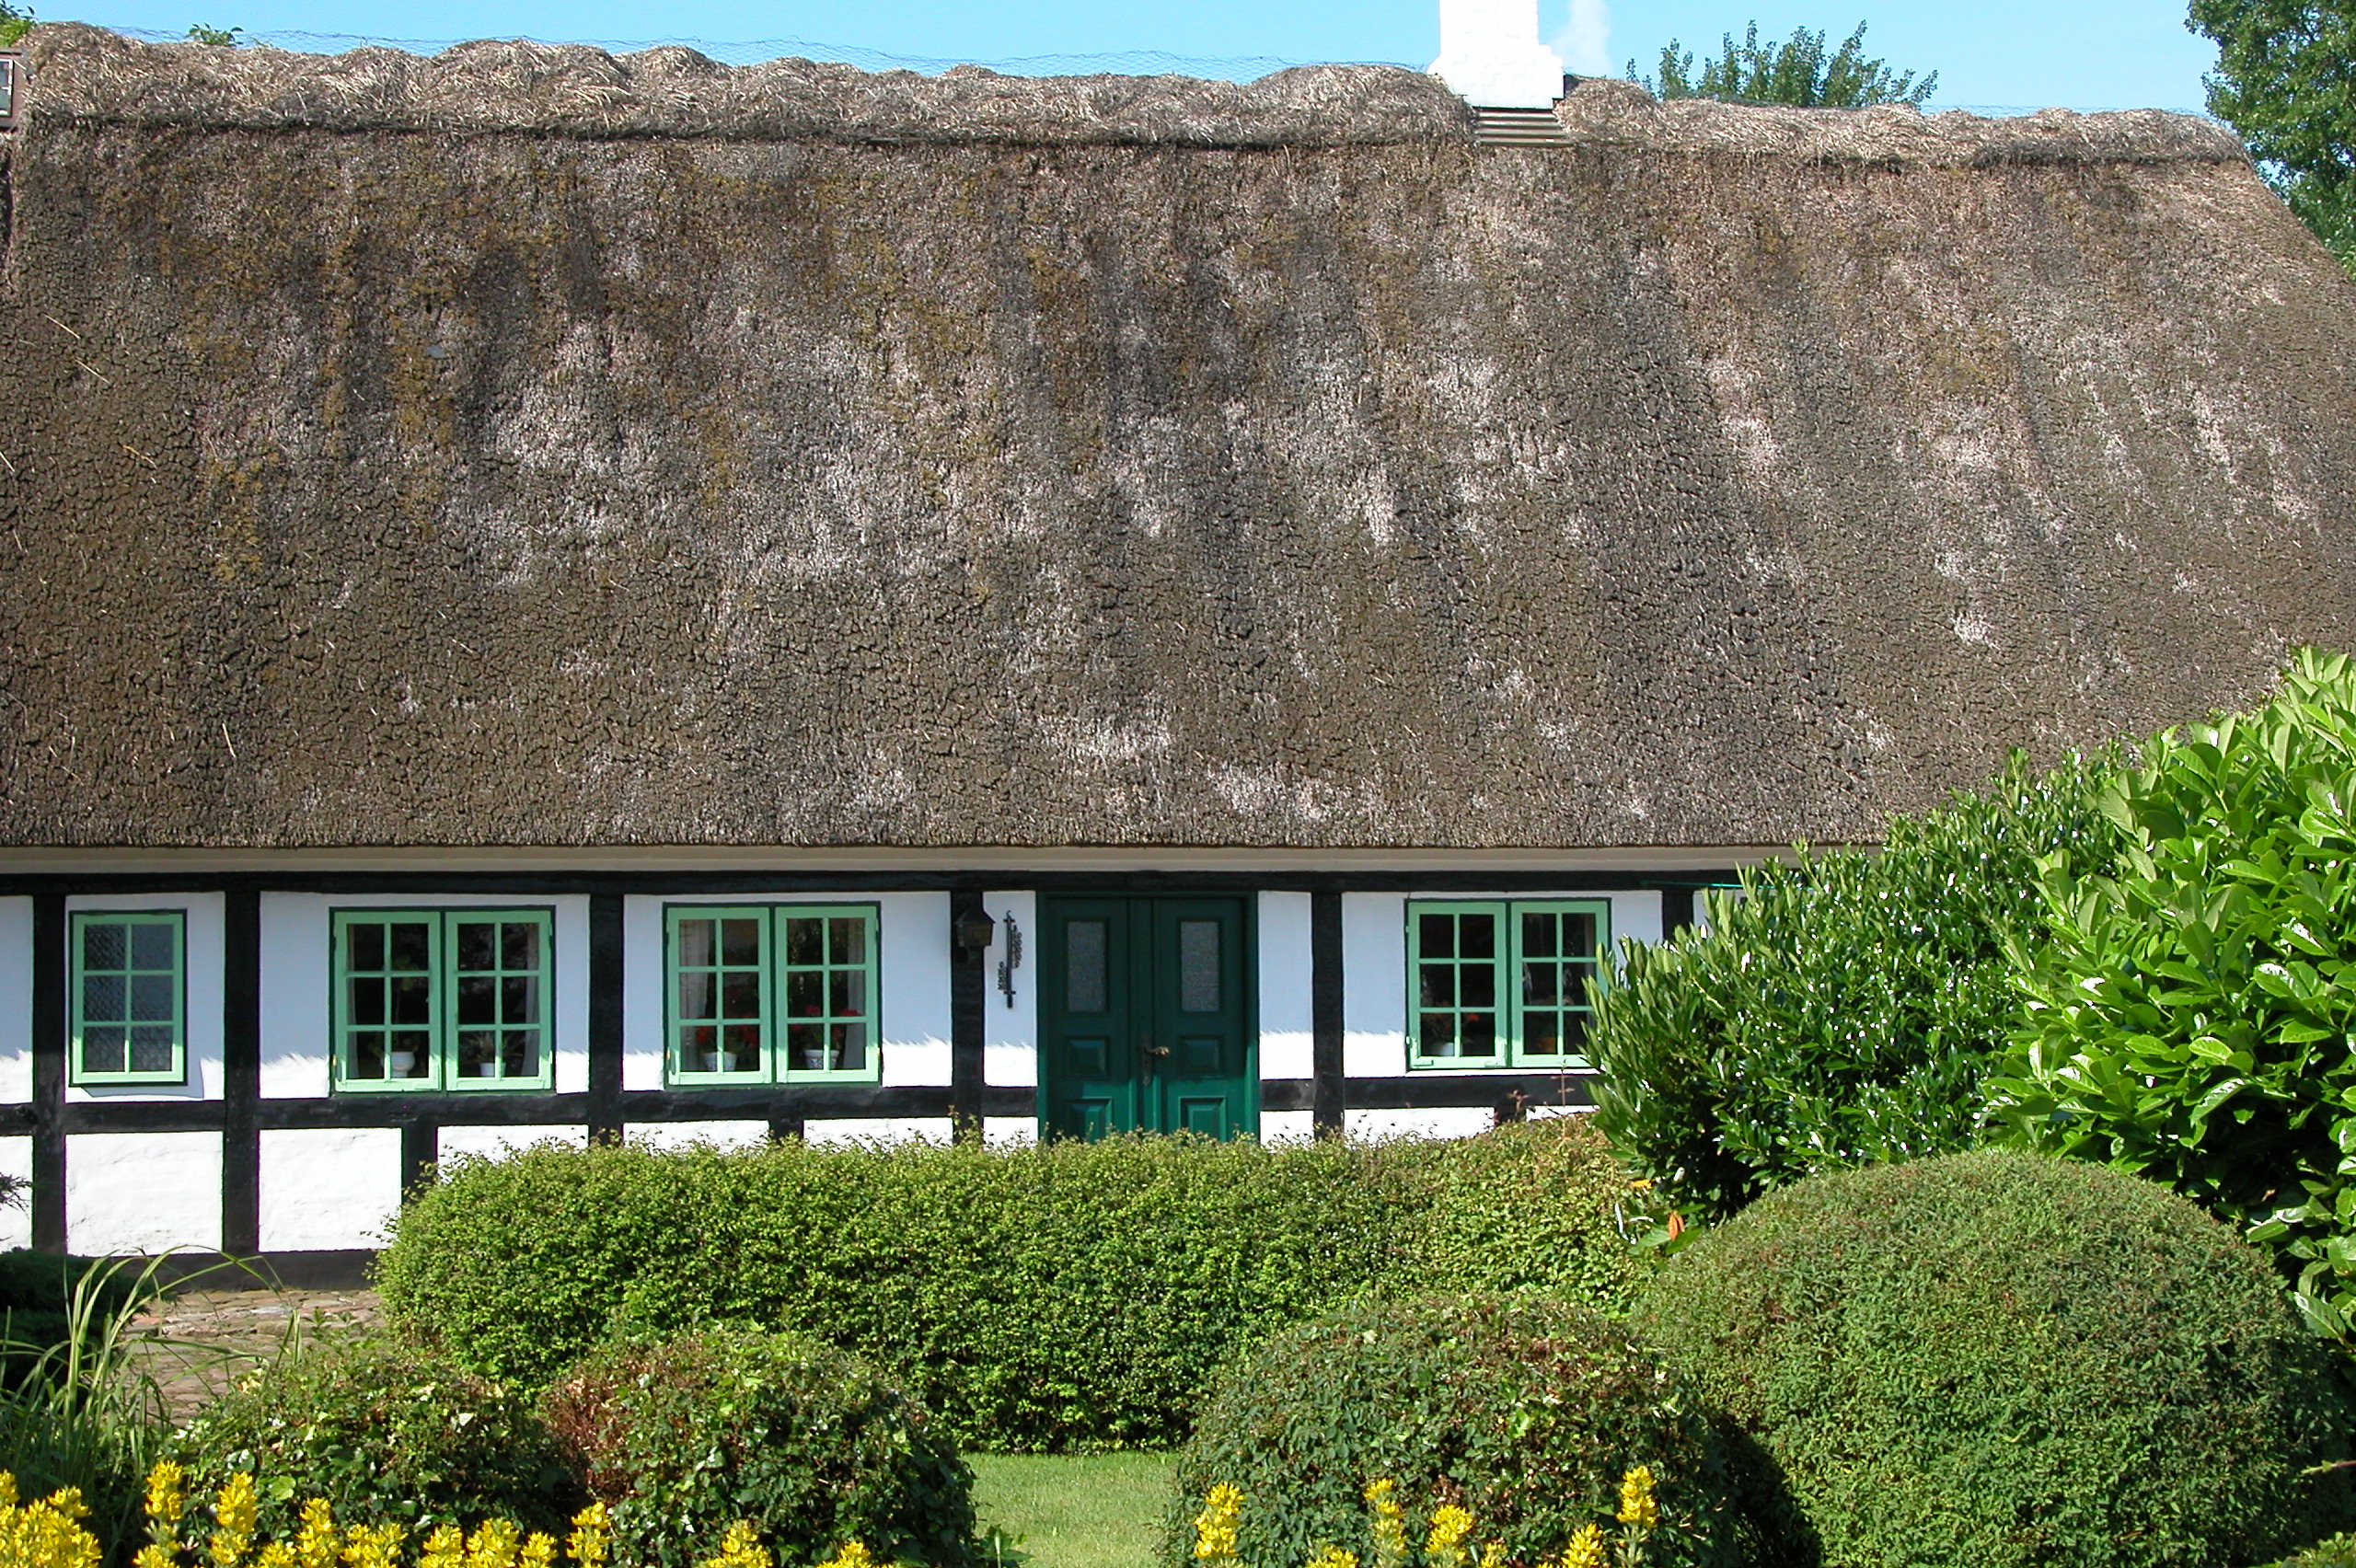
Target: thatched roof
x,y
528,446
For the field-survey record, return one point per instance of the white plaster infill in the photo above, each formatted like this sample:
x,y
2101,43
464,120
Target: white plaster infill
x,y
1491,56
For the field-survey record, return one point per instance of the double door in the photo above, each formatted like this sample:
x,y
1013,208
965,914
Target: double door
x,y
1144,1016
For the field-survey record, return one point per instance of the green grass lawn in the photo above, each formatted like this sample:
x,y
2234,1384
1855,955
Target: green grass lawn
x,y
1074,1511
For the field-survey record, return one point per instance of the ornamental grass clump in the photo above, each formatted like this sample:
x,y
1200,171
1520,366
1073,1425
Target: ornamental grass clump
x,y
791,1438
2008,1360
1523,1412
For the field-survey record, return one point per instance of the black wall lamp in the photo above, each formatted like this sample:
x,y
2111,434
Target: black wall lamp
x,y
974,933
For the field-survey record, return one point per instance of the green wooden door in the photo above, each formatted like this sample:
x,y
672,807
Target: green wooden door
x,y
1145,1017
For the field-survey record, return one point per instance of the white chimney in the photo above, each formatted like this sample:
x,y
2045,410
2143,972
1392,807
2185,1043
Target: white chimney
x,y
1489,52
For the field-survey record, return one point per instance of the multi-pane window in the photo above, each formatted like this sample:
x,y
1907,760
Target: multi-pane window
x,y
130,997
444,998
771,993
1502,982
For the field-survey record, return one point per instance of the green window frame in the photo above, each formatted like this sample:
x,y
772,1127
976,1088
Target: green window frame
x,y
129,996
1502,982
771,993
436,1000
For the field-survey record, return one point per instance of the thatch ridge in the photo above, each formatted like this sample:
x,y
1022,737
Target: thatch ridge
x,y
89,75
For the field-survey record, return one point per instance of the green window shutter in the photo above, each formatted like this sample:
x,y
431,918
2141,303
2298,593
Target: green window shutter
x,y
442,999
772,993
1498,983
130,997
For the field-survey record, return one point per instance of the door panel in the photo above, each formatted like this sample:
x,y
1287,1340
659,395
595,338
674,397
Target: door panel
x,y
1145,1017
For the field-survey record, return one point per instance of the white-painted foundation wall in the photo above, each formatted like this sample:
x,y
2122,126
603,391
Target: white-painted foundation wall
x,y
328,1189
143,1192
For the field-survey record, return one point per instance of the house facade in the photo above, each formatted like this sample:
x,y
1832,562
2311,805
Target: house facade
x,y
553,596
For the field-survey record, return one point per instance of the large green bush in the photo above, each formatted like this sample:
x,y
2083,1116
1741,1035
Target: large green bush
x,y
1999,1358
686,1437
385,1432
2193,1004
1069,1295
1847,1006
1523,1409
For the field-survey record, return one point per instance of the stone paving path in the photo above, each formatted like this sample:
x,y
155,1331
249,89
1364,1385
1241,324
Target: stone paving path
x,y
197,1343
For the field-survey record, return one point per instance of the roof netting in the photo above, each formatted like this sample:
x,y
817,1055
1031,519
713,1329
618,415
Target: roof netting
x,y
753,51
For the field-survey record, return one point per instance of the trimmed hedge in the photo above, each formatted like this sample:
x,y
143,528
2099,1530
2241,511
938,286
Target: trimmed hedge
x,y
1999,1358
388,1432
1524,1411
1071,1294
686,1437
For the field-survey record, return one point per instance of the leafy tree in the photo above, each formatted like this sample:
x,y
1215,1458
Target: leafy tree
x,y
14,23
1797,71
2286,82
215,38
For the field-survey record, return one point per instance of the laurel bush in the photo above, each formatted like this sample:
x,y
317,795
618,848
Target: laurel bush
x,y
1845,1008
2192,1001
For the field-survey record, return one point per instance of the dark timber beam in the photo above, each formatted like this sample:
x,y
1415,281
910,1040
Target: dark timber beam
x,y
605,1016
968,999
241,1075
49,1072
1325,1010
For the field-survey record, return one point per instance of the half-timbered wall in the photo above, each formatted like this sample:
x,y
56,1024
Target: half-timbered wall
x,y
258,1151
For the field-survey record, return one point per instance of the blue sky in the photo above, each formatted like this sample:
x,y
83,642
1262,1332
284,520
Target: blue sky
x,y
2081,53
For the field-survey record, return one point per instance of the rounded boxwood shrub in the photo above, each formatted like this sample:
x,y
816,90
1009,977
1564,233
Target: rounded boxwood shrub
x,y
1995,1358
385,1432
685,1437
1523,1409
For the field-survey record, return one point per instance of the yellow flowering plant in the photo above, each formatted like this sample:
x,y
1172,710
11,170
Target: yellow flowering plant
x,y
1387,1522
45,1534
1639,1515
739,1547
1216,1526
321,1542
